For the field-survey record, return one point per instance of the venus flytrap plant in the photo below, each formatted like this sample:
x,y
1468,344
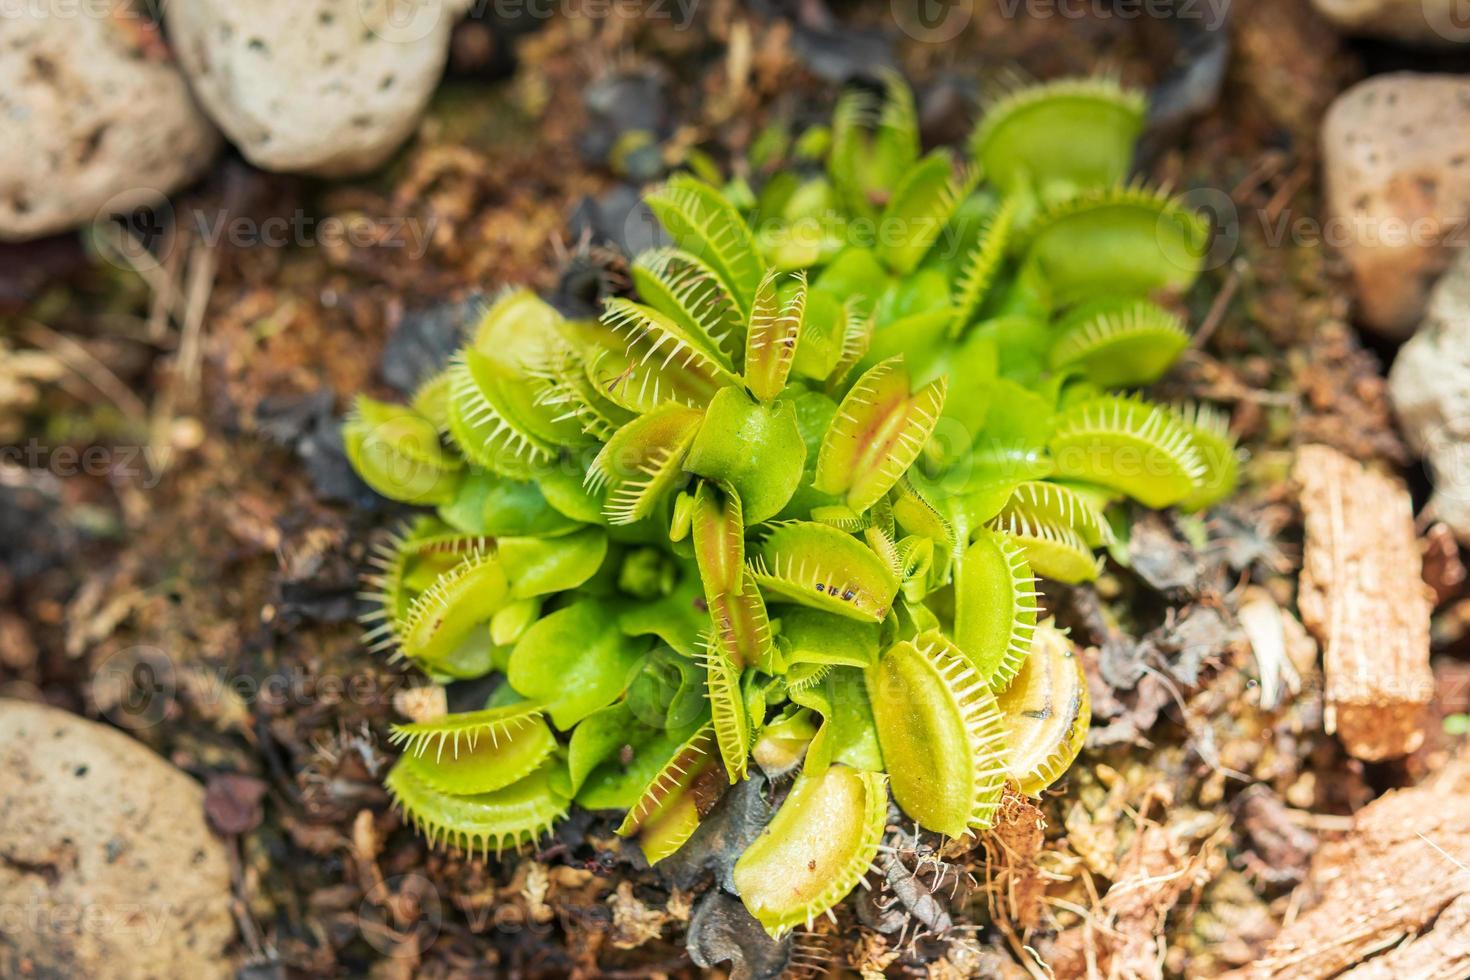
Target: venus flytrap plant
x,y
941,733
479,781
495,417
880,428
406,563
397,451
875,143
1129,445
677,797
641,462
1045,711
788,502
1129,240
1054,139
983,265
478,752
805,862
437,588
1209,429
1118,343
505,818
995,606
816,565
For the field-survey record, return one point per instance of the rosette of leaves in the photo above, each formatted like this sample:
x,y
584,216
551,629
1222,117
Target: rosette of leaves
x,y
787,501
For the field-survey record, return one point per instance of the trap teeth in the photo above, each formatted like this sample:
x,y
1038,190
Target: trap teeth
x,y
1209,430
1129,445
670,807
770,342
942,735
983,265
878,432
684,288
1129,239
507,818
1119,344
1060,135
1046,711
995,607
741,514
815,850
824,568
705,224
477,752
643,461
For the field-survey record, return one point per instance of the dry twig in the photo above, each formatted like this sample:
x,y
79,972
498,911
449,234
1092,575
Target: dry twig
x,y
1363,596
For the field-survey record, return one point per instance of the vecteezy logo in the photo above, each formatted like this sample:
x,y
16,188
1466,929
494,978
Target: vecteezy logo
x,y
401,21
401,916
134,687
1450,19
932,21
134,229
1446,448
1221,219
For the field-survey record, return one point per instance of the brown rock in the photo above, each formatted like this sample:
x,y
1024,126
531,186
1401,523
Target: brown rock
x,y
232,802
106,865
1396,167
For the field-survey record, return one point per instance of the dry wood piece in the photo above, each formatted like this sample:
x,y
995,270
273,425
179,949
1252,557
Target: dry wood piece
x,y
1398,886
1363,596
1442,954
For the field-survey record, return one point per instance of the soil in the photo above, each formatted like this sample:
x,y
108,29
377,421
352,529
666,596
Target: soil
x,y
174,500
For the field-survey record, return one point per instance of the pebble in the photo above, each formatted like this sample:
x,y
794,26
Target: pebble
x,y
1396,168
1429,385
1426,22
97,118
325,87
104,856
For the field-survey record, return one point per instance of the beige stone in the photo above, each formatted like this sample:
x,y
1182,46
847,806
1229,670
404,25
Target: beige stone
x,y
1430,389
95,117
1429,22
1396,162
329,87
107,868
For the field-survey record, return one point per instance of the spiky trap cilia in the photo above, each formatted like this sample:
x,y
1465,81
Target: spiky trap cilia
x,y
787,502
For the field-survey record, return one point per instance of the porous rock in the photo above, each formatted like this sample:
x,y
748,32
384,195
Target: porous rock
x,y
106,865
1436,23
97,119
1396,168
1430,389
328,87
